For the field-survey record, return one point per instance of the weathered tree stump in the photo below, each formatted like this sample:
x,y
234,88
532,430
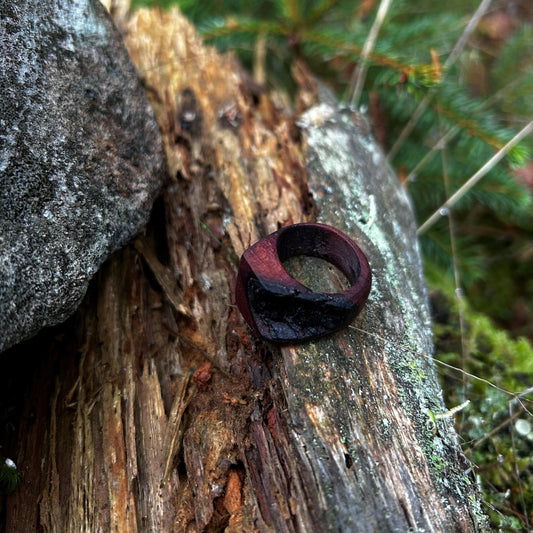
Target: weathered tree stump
x,y
155,409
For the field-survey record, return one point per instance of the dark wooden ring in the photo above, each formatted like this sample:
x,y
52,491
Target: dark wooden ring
x,y
281,309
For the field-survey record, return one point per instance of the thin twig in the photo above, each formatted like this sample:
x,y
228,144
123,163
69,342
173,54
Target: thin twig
x,y
512,416
456,272
470,27
260,51
359,75
454,54
488,166
514,395
517,469
450,134
495,430
436,147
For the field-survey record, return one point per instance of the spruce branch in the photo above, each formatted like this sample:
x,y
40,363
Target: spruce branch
x,y
472,127
291,9
347,49
319,11
445,138
458,48
444,208
231,26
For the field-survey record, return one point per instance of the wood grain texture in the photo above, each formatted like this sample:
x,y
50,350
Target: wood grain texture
x,y
155,409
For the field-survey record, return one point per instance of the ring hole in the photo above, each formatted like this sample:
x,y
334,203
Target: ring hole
x,y
316,274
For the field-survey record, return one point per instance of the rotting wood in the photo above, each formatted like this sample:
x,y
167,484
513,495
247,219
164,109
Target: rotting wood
x,y
327,436
165,279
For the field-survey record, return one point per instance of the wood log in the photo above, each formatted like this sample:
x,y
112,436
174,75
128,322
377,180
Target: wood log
x,y
155,408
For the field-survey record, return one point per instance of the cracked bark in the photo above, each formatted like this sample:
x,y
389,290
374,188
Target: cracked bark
x,y
154,409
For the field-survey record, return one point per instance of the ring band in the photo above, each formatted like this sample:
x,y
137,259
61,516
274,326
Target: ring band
x,y
281,309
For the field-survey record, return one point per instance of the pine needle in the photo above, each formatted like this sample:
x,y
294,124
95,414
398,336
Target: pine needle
x,y
234,259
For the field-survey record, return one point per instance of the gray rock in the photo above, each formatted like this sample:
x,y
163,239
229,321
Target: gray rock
x,y
81,158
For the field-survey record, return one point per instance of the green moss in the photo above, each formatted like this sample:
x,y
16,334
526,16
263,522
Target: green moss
x,y
496,431
10,477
